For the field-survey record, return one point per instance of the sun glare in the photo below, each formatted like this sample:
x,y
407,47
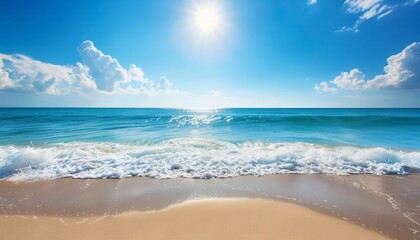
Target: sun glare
x,y
207,27
207,19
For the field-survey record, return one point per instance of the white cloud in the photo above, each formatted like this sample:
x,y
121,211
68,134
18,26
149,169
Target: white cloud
x,y
23,74
370,9
355,79
366,9
103,77
97,73
411,2
324,87
356,6
402,72
104,69
109,75
164,83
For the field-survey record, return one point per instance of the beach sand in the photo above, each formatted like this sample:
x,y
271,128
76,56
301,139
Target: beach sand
x,y
236,218
270,207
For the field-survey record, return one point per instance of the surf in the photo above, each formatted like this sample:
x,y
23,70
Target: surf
x,y
197,158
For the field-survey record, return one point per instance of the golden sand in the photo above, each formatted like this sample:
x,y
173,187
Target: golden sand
x,y
200,219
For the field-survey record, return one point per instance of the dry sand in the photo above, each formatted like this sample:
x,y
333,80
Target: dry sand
x,y
236,218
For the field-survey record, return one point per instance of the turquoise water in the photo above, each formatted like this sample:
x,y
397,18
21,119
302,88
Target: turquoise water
x,y
81,142
393,128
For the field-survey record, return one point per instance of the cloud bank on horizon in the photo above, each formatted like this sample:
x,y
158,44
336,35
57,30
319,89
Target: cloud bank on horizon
x,y
98,73
402,72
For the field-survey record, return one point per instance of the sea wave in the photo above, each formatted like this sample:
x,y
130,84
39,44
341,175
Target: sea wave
x,y
196,158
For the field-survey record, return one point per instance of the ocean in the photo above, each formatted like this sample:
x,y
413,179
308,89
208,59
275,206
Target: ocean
x,y
51,143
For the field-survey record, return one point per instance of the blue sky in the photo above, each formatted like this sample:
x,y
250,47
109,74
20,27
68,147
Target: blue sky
x,y
259,54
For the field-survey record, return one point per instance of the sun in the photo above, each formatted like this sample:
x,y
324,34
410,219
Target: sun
x,y
207,19
207,26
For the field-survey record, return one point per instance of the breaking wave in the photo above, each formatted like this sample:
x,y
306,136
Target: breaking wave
x,y
196,158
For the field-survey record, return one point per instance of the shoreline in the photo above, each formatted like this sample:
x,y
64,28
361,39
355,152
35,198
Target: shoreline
x,y
384,204
236,218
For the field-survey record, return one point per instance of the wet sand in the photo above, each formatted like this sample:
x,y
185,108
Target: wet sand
x,y
388,205
200,219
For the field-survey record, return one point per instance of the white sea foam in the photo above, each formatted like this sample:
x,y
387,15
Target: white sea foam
x,y
196,158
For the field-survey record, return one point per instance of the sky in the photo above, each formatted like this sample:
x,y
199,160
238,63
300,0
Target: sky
x,y
210,53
